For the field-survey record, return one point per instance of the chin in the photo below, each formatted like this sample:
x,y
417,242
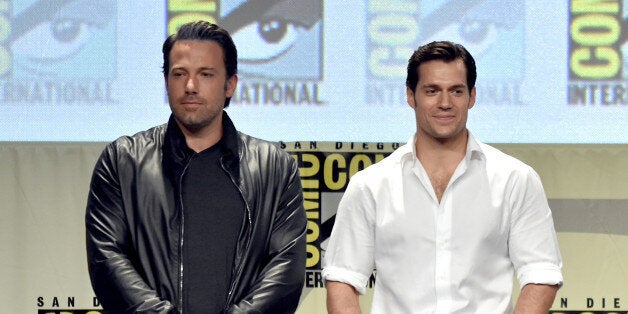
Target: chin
x,y
448,134
189,122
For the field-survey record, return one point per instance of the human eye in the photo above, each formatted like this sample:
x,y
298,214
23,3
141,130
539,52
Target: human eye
x,y
458,91
177,73
430,91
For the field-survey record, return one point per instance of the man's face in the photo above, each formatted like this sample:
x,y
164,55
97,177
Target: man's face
x,y
441,100
197,85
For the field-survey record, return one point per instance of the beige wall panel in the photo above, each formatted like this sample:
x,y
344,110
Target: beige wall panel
x,y
43,189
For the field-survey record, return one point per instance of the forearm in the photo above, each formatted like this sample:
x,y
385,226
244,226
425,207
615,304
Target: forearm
x,y
536,298
115,280
342,298
278,286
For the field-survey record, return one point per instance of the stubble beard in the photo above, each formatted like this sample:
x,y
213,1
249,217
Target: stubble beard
x,y
195,119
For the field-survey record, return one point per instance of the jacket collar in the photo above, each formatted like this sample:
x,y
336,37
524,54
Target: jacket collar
x,y
230,138
176,152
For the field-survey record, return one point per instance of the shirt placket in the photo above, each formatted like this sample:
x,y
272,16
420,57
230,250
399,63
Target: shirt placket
x,y
442,237
443,255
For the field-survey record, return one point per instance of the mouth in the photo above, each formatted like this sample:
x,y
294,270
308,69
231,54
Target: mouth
x,y
191,103
446,118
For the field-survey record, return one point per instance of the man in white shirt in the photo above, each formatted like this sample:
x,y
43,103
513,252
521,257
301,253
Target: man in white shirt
x,y
446,221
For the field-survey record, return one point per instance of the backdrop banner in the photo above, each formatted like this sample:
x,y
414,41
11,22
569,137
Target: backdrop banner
x,y
43,190
548,71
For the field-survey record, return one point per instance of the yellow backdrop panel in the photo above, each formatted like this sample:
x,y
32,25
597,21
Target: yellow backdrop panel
x,y
43,189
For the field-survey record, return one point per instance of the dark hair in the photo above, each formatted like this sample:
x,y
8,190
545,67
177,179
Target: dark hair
x,y
204,31
201,30
440,50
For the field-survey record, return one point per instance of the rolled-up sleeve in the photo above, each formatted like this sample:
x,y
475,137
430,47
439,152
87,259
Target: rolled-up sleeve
x,y
533,245
349,256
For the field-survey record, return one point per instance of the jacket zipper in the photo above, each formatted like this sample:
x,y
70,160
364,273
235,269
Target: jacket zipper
x,y
250,221
181,236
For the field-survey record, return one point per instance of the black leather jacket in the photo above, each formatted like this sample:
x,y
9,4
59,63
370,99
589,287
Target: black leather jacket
x,y
134,234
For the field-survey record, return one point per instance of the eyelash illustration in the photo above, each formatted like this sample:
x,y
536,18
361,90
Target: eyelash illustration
x,y
46,37
270,28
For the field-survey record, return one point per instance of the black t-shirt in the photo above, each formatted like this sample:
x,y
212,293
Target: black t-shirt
x,y
213,211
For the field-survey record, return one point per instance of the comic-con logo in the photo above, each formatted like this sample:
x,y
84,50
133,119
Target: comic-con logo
x,y
325,171
279,45
494,34
46,45
597,58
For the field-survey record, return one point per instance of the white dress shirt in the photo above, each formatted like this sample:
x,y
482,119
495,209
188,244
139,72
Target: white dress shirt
x,y
456,256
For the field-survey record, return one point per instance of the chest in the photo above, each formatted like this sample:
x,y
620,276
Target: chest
x,y
470,214
439,178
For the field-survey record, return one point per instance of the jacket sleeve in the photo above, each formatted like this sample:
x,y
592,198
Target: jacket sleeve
x,y
117,283
280,282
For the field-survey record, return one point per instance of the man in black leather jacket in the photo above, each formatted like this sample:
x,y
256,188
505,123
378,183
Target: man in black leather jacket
x,y
192,215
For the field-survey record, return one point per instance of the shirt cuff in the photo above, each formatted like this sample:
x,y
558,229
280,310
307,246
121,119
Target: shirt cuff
x,y
540,273
355,279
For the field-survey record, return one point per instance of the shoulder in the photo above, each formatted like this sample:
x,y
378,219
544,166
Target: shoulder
x,y
385,169
499,158
501,164
138,143
253,147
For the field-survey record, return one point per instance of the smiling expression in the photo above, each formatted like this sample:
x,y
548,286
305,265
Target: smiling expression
x,y
441,101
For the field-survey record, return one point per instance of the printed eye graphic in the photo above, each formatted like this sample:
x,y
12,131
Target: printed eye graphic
x,y
49,35
478,25
67,30
53,40
476,31
475,35
266,40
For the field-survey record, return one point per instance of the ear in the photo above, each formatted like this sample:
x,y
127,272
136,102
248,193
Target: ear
x,y
232,82
410,98
471,99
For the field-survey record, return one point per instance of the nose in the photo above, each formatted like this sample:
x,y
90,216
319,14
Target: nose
x,y
446,101
190,86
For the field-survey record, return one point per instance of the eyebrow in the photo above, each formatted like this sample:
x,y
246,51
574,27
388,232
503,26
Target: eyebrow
x,y
436,86
459,86
176,67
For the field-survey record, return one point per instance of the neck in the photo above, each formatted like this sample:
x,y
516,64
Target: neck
x,y
200,144
202,139
429,149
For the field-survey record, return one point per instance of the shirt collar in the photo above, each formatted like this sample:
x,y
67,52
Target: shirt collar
x,y
407,152
474,150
